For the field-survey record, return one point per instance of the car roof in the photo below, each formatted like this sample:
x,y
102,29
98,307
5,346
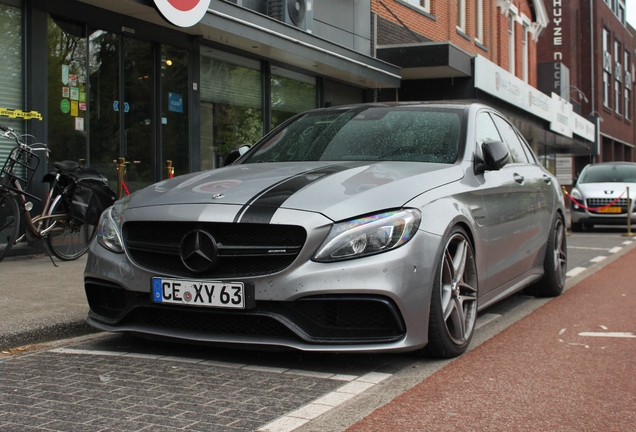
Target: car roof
x,y
424,104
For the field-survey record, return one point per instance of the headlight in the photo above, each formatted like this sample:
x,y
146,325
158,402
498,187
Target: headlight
x,y
576,194
369,235
109,228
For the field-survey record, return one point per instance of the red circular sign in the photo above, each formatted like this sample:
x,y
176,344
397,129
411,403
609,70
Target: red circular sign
x,y
184,5
182,13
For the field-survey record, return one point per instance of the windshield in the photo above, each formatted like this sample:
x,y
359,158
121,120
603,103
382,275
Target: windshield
x,y
609,174
366,133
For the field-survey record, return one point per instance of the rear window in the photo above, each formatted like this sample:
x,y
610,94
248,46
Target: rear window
x,y
376,133
609,174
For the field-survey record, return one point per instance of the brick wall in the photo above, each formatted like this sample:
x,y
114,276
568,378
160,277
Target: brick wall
x,y
574,50
439,24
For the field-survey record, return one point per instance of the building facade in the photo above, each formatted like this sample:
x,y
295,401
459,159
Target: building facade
x,y
591,42
113,79
485,50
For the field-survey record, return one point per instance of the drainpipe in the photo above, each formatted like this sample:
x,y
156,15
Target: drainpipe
x,y
592,54
599,157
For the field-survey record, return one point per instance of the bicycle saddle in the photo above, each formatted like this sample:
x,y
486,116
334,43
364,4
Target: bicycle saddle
x,y
66,165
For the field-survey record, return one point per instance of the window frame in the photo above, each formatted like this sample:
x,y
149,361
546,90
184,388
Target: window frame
x,y
479,21
424,5
460,23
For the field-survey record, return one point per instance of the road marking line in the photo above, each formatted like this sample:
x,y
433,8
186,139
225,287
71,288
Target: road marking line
x,y
609,334
372,377
303,415
627,242
598,259
615,249
587,248
575,271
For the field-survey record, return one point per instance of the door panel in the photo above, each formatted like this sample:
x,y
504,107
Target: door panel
x,y
122,93
138,142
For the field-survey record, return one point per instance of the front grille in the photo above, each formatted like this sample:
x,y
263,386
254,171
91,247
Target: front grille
x,y
602,202
243,249
320,319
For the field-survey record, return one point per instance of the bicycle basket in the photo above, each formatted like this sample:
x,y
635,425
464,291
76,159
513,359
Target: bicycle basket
x,y
19,166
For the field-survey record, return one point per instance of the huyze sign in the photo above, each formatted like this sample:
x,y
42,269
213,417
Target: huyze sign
x,y
182,13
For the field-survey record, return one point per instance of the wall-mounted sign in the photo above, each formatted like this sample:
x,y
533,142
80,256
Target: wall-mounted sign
x,y
175,102
182,13
502,84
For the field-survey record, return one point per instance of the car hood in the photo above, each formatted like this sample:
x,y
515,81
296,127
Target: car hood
x,y
335,189
607,190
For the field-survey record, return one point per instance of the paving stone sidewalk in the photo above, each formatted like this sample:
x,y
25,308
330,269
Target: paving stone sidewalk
x,y
40,302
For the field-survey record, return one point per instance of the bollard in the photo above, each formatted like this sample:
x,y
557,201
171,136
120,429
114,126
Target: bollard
x,y
568,223
169,169
629,216
121,167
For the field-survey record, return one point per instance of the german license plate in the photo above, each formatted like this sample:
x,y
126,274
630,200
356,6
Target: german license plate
x,y
610,210
199,293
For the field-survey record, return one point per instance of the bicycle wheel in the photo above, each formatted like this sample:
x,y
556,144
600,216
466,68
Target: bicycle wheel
x,y
69,239
9,223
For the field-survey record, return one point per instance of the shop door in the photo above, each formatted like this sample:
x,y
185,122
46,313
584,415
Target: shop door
x,y
122,97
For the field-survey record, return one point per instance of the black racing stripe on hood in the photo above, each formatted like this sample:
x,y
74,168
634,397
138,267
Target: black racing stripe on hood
x,y
262,207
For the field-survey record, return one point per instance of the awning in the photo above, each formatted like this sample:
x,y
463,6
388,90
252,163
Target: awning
x,y
427,60
241,28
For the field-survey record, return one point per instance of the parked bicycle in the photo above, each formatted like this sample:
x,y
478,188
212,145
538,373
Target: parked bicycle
x,y
70,214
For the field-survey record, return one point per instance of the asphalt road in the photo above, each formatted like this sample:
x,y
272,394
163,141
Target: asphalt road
x,y
110,382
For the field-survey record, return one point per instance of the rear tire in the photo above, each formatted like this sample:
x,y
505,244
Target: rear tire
x,y
555,264
453,312
70,238
9,223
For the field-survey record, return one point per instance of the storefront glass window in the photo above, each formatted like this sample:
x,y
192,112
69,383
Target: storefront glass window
x,y
11,71
292,93
112,55
104,90
67,100
174,109
231,105
336,93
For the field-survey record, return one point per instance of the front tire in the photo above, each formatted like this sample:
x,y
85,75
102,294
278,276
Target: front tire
x,y
453,298
70,238
555,264
9,223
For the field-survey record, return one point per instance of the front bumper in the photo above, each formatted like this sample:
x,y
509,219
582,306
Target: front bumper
x,y
371,304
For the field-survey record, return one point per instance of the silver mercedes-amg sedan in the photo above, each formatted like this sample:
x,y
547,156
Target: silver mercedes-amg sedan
x,y
364,228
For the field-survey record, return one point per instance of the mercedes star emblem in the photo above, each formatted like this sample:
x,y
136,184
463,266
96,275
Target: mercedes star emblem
x,y
198,251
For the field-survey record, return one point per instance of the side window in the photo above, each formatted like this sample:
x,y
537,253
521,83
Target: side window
x,y
510,137
486,130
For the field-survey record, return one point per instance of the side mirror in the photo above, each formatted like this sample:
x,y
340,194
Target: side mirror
x,y
234,154
495,157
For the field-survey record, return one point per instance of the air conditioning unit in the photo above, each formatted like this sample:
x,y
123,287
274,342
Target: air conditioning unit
x,y
298,13
618,72
628,80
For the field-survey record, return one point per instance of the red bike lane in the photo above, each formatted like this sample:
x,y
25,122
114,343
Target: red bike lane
x,y
568,366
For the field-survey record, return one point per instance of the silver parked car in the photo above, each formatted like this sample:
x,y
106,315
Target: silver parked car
x,y
599,195
365,228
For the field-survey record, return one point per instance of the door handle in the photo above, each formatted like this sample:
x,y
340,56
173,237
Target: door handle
x,y
519,178
547,179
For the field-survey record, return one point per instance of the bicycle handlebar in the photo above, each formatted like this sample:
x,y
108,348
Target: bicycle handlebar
x,y
10,133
